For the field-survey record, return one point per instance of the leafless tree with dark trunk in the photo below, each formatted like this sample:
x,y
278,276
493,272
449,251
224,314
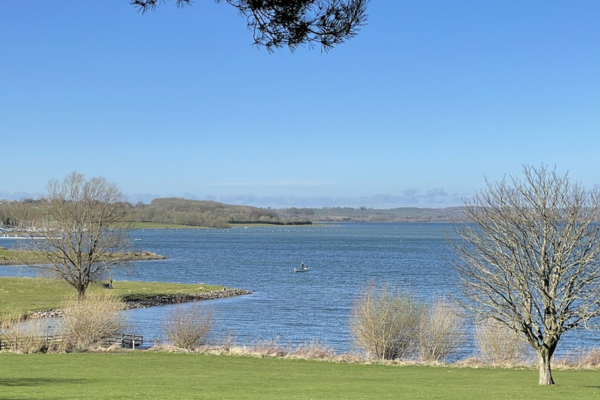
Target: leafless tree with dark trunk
x,y
529,258
77,232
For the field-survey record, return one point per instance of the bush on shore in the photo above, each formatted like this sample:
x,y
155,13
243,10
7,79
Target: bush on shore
x,y
190,326
497,344
90,322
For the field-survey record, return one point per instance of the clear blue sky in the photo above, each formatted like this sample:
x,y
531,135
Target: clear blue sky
x,y
429,98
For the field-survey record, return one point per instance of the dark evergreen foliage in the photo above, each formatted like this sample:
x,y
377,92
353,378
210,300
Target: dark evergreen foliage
x,y
280,23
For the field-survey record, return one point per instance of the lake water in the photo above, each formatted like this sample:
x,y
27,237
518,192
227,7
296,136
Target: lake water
x,y
298,307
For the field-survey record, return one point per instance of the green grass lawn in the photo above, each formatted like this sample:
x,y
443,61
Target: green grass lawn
x,y
154,375
19,295
11,256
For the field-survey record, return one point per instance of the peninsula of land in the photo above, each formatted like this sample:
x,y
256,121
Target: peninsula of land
x,y
29,257
43,298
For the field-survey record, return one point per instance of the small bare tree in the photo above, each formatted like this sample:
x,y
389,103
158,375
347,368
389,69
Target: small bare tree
x,y
77,234
529,258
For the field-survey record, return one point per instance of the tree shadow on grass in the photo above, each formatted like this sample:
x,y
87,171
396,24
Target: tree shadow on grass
x,y
13,382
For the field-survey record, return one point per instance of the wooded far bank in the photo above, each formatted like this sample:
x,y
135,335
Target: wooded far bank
x,y
218,215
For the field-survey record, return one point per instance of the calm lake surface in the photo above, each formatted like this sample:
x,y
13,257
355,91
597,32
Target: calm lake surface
x,y
298,307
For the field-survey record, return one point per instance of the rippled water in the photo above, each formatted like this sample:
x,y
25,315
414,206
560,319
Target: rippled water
x,y
298,307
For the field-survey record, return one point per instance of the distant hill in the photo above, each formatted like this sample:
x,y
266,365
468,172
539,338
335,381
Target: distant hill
x,y
212,214
363,214
203,213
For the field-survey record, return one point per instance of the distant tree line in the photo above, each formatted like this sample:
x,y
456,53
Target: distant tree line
x,y
168,211
200,213
218,215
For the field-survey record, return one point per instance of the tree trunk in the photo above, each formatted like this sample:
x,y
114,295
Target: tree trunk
x,y
81,289
544,357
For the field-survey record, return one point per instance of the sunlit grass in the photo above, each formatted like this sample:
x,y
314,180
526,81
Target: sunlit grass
x,y
20,295
156,375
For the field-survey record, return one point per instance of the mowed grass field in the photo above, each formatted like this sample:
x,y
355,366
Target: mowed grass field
x,y
156,375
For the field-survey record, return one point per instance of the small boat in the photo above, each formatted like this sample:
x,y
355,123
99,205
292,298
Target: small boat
x,y
305,269
138,238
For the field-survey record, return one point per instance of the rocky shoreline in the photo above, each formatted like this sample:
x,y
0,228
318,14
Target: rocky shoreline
x,y
186,298
162,300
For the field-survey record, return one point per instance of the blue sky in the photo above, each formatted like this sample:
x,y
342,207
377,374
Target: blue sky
x,y
428,99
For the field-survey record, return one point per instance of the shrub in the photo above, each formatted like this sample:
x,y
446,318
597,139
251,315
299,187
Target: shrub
x,y
498,344
441,332
90,322
385,324
313,350
20,336
188,327
581,359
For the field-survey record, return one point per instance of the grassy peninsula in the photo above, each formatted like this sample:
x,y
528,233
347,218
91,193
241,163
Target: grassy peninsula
x,y
21,295
20,257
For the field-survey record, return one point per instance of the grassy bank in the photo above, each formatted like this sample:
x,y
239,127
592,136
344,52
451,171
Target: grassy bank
x,y
18,257
20,295
153,375
31,257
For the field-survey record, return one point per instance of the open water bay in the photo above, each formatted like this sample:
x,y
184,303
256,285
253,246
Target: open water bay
x,y
299,307
296,307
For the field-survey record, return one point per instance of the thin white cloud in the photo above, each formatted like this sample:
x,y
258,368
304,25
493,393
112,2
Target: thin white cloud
x,y
19,195
408,198
274,182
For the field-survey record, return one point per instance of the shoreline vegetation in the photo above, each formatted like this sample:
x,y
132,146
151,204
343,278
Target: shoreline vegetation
x,y
43,297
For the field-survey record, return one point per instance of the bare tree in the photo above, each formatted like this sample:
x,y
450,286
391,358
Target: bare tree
x,y
279,23
77,233
529,258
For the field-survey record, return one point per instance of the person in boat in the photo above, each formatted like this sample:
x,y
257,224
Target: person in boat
x,y
302,266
